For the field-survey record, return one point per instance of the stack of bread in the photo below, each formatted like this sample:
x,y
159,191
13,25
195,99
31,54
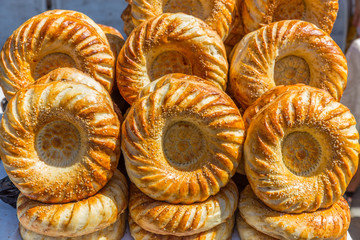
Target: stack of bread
x,y
182,137
60,135
301,148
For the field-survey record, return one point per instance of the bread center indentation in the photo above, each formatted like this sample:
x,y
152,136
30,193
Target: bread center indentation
x,y
58,143
51,62
170,62
285,10
301,153
291,70
183,144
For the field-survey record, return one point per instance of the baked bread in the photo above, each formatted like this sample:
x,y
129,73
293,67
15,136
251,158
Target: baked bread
x,y
266,99
330,223
182,141
322,13
218,14
76,218
246,232
115,39
59,141
74,75
220,232
55,39
301,151
183,219
113,232
127,19
170,43
286,53
237,31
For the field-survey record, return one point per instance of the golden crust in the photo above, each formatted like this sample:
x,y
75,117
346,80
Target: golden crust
x,y
113,232
167,44
285,53
182,142
59,141
55,39
183,219
76,218
247,232
330,223
237,31
218,14
127,19
115,39
258,13
220,232
266,99
301,150
75,75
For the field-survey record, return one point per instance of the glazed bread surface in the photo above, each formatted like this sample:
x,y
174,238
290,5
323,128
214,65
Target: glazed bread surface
x,y
76,218
183,219
55,39
286,53
170,43
301,151
182,142
60,141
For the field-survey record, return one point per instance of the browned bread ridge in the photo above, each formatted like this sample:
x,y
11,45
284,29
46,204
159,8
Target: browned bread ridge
x,y
76,218
257,13
115,39
218,14
220,232
183,219
301,150
53,39
170,43
60,141
330,223
182,141
286,53
113,232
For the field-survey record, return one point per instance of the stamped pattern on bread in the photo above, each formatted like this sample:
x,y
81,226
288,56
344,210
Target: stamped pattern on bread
x,y
169,120
286,52
59,141
301,151
51,40
170,43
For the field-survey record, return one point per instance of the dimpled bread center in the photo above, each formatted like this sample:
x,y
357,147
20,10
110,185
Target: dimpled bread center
x,y
51,62
58,143
170,62
294,9
301,153
183,144
291,70
190,7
